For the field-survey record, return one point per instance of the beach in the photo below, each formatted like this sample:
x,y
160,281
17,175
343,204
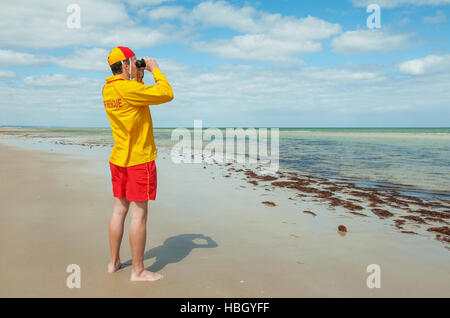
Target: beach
x,y
215,230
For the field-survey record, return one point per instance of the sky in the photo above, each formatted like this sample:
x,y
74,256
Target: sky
x,y
285,63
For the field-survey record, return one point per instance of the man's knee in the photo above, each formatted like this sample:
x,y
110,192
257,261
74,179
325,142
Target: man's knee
x,y
121,207
139,210
122,212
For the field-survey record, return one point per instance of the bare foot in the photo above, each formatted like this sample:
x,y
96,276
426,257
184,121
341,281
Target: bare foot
x,y
146,276
114,267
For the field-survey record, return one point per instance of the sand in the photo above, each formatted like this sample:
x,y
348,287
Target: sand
x,y
208,235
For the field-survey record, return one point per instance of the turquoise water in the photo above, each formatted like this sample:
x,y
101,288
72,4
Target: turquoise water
x,y
419,157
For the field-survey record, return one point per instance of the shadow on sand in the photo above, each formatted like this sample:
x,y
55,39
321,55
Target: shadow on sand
x,y
173,250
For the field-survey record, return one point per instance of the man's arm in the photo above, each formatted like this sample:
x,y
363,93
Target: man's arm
x,y
139,94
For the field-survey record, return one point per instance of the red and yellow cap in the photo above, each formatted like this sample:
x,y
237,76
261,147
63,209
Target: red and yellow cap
x,y
118,54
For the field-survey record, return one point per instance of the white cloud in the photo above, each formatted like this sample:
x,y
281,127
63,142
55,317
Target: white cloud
x,y
166,12
172,65
398,3
291,91
261,96
105,24
309,28
145,2
222,14
264,36
9,58
54,80
37,24
44,105
7,74
258,47
404,21
427,65
362,41
267,37
94,59
344,74
440,17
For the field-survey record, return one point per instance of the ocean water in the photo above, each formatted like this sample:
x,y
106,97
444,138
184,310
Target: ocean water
x,y
417,159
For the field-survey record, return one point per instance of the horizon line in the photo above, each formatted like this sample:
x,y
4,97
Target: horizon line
x,y
280,127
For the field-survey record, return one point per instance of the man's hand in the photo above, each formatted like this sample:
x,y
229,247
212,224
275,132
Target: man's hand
x,y
150,64
140,74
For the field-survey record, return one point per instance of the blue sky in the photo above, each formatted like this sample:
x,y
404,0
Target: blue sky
x,y
232,63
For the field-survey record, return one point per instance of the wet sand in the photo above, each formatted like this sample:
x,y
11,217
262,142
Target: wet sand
x,y
210,236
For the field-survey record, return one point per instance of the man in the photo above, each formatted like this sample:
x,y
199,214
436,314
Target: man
x,y
132,161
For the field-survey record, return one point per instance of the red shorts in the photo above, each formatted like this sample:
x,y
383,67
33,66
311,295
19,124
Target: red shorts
x,y
136,183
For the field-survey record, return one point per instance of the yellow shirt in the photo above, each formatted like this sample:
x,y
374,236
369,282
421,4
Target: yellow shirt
x,y
126,103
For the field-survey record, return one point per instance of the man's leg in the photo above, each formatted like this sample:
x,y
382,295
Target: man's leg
x,y
116,231
138,235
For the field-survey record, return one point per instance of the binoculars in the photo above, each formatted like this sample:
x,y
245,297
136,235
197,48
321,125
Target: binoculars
x,y
140,63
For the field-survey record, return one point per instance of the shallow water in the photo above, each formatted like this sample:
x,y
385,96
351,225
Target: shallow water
x,y
417,157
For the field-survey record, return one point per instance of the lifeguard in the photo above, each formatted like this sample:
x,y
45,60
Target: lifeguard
x,y
132,162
